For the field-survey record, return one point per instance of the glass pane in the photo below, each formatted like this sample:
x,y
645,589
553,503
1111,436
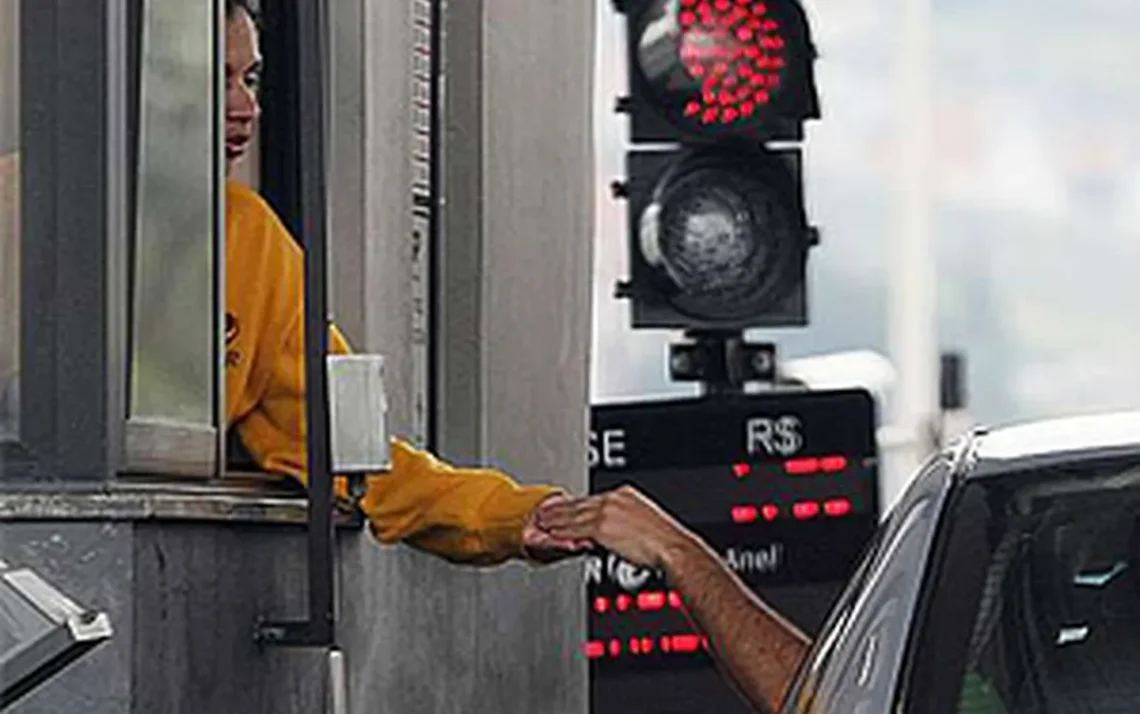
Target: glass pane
x,y
173,376
1056,625
9,217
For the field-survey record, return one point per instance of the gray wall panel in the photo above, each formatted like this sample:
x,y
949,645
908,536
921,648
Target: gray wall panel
x,y
422,635
408,620
200,590
537,235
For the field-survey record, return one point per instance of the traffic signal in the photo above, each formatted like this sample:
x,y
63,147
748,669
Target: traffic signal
x,y
718,233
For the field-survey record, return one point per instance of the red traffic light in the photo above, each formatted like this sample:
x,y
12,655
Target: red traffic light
x,y
712,67
736,52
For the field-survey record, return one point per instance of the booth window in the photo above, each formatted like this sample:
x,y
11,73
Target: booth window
x,y
110,227
174,413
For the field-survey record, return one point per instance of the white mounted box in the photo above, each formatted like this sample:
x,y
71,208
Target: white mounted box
x,y
358,414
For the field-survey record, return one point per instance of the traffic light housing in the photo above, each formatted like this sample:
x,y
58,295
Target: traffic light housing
x,y
718,233
720,238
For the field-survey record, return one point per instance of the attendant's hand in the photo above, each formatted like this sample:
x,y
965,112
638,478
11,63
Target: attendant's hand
x,y
543,547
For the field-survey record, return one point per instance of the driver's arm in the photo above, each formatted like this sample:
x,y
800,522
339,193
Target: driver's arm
x,y
757,650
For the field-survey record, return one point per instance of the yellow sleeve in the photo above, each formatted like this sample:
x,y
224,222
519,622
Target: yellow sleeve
x,y
471,516
464,515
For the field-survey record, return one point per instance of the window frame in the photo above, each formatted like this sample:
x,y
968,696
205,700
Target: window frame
x,y
73,116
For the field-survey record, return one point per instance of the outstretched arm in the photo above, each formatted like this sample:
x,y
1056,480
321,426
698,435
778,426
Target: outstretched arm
x,y
478,516
758,650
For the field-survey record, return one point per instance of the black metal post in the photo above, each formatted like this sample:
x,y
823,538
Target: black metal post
x,y
311,33
320,628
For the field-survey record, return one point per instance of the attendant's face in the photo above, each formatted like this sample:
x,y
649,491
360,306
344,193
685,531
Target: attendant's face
x,y
243,75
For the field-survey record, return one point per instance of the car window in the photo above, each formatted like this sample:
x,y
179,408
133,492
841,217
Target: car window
x,y
853,665
1044,617
1064,634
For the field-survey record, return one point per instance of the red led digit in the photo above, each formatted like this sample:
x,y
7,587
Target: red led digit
x,y
651,601
615,648
744,514
675,599
805,510
831,464
837,507
771,511
595,649
801,467
740,470
686,643
601,604
623,602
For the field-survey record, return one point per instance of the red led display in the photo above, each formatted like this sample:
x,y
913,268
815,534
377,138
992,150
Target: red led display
x,y
649,601
685,643
813,465
803,510
736,51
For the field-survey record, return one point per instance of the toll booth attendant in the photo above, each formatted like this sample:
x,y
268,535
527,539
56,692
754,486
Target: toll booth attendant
x,y
477,516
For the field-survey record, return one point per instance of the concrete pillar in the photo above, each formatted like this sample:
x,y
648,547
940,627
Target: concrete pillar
x,y
515,309
512,310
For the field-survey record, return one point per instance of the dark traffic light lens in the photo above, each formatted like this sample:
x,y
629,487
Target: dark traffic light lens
x,y
714,64
725,237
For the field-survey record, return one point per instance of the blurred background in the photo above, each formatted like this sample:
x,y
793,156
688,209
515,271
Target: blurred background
x,y
1026,116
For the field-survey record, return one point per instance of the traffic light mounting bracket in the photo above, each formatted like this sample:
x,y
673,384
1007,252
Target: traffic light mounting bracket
x,y
722,361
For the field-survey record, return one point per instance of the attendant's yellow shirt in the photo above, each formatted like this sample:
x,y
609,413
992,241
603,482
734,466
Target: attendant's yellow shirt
x,y
463,515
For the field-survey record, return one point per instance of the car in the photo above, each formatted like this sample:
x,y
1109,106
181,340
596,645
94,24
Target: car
x,y
1006,580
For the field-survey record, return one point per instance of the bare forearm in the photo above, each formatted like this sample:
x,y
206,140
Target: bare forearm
x,y
758,650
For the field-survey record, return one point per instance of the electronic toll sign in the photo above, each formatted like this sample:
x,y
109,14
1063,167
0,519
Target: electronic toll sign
x,y
783,484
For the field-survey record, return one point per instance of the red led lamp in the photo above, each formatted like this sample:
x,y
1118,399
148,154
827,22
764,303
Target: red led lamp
x,y
728,60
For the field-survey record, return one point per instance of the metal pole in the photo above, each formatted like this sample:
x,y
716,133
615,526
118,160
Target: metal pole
x,y
319,630
913,328
311,17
